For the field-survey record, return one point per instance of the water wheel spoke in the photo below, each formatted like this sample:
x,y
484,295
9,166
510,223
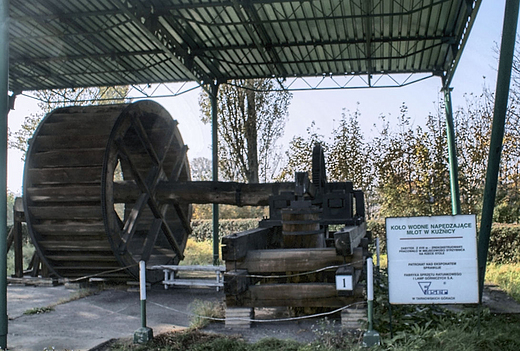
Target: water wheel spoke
x,y
152,204
154,175
143,137
168,233
151,238
181,161
130,224
166,148
125,155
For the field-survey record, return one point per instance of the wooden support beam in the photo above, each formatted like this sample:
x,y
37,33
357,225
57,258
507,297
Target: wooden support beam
x,y
237,246
230,193
236,282
349,238
19,217
293,295
18,250
293,260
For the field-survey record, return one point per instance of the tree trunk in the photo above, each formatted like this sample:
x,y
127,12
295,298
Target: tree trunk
x,y
251,136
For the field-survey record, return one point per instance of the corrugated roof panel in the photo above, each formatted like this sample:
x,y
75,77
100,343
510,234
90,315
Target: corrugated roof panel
x,y
134,42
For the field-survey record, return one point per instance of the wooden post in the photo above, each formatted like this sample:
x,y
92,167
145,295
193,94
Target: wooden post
x,y
18,217
214,144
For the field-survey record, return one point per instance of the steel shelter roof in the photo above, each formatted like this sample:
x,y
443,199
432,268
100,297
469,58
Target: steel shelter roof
x,y
76,43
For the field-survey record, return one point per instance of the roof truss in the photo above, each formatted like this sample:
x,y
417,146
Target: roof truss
x,y
56,44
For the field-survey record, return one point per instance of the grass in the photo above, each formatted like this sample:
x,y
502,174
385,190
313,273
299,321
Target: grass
x,y
195,340
73,297
198,253
498,332
204,310
39,310
451,332
506,276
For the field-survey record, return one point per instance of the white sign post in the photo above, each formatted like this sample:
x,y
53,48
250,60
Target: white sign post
x,y
432,260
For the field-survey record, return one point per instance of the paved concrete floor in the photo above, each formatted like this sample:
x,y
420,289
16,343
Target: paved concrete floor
x,y
115,313
89,321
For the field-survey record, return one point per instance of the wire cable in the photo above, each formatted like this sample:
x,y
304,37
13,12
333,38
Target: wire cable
x,y
101,273
283,275
290,319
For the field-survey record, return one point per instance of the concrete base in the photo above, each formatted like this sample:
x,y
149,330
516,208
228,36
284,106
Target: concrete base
x,y
353,318
143,335
239,317
371,338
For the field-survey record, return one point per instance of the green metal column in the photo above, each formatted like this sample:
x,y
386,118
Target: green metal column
x,y
507,50
4,108
214,127
452,153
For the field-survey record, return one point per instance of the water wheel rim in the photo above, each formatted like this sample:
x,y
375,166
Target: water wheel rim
x,y
39,178
114,224
40,238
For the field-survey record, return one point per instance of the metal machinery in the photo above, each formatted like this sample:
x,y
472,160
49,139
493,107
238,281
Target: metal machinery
x,y
295,258
106,186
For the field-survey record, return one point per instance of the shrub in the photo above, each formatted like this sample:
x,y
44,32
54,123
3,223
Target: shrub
x,y
504,243
198,253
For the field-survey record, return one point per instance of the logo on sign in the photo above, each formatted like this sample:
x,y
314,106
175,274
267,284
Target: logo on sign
x,y
425,287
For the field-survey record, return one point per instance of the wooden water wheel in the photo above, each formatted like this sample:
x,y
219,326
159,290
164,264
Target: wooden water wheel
x,y
79,227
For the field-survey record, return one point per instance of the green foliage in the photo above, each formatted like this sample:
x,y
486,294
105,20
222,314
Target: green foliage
x,y
28,251
504,243
498,332
299,155
39,310
271,344
350,158
205,211
507,276
201,169
378,229
10,205
198,253
411,170
329,336
403,170
203,229
431,327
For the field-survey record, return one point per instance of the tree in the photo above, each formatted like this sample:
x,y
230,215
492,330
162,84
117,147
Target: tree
x,y
52,99
251,118
299,155
411,167
201,169
349,157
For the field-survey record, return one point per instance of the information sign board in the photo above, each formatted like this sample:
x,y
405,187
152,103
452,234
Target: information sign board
x,y
432,260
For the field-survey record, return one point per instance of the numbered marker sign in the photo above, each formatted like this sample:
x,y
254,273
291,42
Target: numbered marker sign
x,y
432,260
344,282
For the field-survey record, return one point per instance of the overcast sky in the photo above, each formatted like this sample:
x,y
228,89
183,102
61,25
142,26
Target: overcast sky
x,y
479,60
